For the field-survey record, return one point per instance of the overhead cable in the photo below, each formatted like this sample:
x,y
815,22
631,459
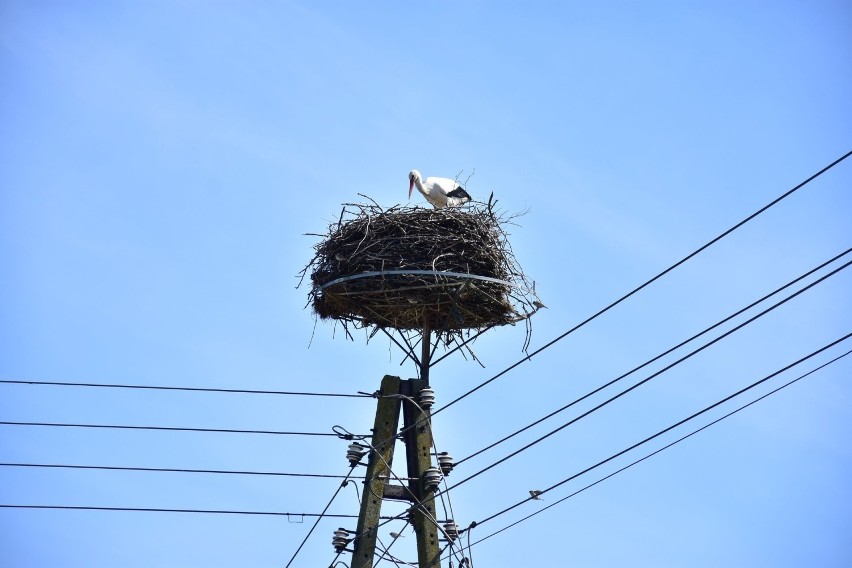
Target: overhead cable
x,y
166,428
167,470
188,389
654,359
158,510
529,356
650,377
673,426
667,446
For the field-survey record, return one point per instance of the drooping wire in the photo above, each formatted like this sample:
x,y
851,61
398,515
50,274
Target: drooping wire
x,y
669,445
642,286
654,359
673,426
649,378
355,485
187,389
166,428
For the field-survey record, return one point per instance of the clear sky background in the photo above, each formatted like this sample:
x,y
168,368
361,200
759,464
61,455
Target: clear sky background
x,y
161,161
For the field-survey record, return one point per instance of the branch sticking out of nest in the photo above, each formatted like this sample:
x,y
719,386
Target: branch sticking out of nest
x,y
404,268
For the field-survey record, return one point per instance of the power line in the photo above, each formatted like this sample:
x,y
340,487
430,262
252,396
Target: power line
x,y
677,264
722,235
713,241
650,377
167,428
321,515
529,356
673,426
667,446
167,470
188,389
158,510
647,283
652,360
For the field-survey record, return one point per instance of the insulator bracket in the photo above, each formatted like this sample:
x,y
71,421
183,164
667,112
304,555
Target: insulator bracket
x,y
426,398
446,463
355,452
432,479
340,539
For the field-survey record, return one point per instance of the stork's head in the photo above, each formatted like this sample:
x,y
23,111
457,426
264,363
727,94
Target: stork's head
x,y
412,176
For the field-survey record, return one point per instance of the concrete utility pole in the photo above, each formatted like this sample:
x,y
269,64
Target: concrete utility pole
x,y
418,445
378,471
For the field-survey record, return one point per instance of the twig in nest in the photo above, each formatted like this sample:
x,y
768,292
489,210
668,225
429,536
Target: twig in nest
x,y
394,269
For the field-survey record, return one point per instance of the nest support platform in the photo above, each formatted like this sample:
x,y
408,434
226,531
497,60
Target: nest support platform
x,y
413,299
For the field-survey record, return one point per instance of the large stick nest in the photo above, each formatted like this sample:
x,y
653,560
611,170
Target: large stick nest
x,y
404,268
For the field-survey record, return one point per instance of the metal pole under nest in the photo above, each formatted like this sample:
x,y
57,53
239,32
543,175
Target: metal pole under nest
x,y
426,353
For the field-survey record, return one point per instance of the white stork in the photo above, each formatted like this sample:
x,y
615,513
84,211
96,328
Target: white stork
x,y
440,192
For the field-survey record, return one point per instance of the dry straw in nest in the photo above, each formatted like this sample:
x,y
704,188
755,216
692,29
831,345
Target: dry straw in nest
x,y
404,268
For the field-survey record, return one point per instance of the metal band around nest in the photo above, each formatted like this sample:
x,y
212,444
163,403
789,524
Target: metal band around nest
x,y
416,273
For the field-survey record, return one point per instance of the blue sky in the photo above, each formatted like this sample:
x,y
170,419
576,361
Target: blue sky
x,y
160,163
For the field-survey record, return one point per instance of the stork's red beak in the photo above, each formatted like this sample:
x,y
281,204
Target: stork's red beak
x,y
410,188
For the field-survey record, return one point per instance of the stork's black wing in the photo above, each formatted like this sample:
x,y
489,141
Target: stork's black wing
x,y
459,192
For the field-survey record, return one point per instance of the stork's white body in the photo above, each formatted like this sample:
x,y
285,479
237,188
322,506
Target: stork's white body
x,y
440,192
